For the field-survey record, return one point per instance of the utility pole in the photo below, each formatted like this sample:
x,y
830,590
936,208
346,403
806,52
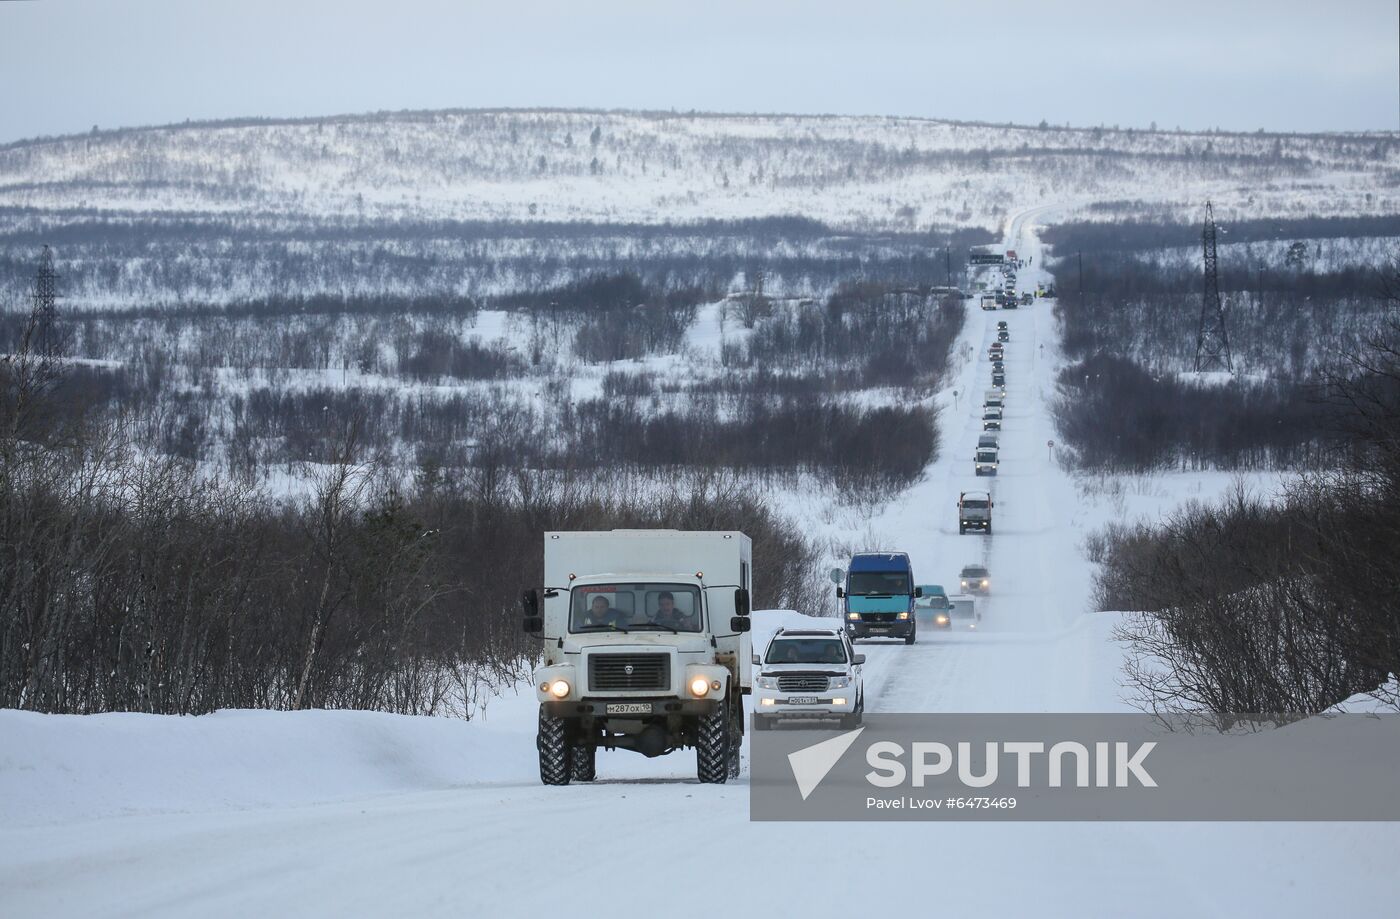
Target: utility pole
x,y
45,299
1081,271
948,263
1212,338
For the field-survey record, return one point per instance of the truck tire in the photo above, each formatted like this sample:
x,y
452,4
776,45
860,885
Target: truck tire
x,y
989,529
912,636
555,752
712,747
962,530
584,766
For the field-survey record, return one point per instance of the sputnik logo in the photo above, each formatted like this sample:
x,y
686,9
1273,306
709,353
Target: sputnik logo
x,y
811,764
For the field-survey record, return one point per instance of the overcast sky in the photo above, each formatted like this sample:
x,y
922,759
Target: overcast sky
x,y
66,65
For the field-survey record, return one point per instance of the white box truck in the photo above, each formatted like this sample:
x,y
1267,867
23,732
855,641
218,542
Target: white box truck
x,y
646,648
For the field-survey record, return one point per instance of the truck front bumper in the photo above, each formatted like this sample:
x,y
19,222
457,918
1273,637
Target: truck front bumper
x,y
899,628
599,708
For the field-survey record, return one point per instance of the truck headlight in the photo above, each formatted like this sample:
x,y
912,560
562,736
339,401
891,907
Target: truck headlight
x,y
985,582
839,682
903,615
559,689
853,615
767,682
700,686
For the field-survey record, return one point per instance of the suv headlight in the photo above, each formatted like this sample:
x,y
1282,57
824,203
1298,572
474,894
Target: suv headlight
x,y
839,682
767,682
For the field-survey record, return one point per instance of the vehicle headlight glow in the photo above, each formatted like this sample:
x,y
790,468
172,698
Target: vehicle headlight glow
x,y
767,682
942,620
903,615
699,686
853,615
559,689
840,682
985,582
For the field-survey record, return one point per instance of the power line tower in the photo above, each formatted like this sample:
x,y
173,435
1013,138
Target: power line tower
x,y
45,299
1212,339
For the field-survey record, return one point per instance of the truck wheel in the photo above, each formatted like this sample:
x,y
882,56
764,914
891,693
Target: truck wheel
x,y
584,766
553,743
712,747
989,529
912,636
962,530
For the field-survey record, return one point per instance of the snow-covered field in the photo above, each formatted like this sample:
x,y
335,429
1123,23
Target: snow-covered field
x,y
353,813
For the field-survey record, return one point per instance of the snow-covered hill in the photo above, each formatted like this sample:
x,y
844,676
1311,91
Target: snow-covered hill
x,y
853,172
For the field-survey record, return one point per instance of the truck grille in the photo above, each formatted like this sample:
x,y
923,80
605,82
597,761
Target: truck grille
x,y
629,672
877,617
802,683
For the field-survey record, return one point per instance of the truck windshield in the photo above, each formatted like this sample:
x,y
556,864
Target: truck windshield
x,y
975,505
986,456
878,583
635,608
806,651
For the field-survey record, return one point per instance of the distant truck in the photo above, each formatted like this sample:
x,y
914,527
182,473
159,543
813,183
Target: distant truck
x,y
878,596
995,398
646,648
989,301
974,512
985,461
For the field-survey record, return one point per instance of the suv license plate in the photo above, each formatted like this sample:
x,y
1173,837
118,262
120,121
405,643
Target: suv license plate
x,y
802,700
629,708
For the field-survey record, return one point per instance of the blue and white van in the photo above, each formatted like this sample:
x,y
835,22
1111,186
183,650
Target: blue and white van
x,y
878,596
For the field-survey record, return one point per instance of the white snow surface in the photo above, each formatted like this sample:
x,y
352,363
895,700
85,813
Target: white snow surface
x,y
354,813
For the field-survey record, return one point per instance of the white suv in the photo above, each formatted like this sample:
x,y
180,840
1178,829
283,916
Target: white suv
x,y
808,674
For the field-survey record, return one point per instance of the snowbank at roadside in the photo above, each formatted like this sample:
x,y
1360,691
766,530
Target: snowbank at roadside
x,y
59,768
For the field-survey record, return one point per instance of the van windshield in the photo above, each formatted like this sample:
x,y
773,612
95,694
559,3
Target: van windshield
x,y
635,608
878,583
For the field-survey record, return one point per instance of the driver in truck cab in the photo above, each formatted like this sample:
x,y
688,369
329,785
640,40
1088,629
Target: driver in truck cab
x,y
602,614
668,615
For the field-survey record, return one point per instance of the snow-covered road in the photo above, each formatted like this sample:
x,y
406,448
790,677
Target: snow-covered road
x,y
646,839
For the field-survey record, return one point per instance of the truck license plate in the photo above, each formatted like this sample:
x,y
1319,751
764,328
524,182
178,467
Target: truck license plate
x,y
802,700
629,708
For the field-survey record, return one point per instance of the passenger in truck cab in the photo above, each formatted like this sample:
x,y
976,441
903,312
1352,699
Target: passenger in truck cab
x,y
602,614
669,615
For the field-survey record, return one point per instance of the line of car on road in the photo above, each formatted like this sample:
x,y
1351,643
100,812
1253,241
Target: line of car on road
x,y
814,675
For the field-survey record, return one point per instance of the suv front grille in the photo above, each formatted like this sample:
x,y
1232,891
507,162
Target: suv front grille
x,y
629,672
802,683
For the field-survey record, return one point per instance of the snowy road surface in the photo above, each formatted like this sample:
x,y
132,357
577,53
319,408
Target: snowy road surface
x,y
335,814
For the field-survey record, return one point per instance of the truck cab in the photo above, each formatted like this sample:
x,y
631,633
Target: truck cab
x,y
646,648
878,596
974,512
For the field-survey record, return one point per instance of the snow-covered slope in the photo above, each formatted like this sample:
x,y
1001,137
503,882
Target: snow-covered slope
x,y
853,172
